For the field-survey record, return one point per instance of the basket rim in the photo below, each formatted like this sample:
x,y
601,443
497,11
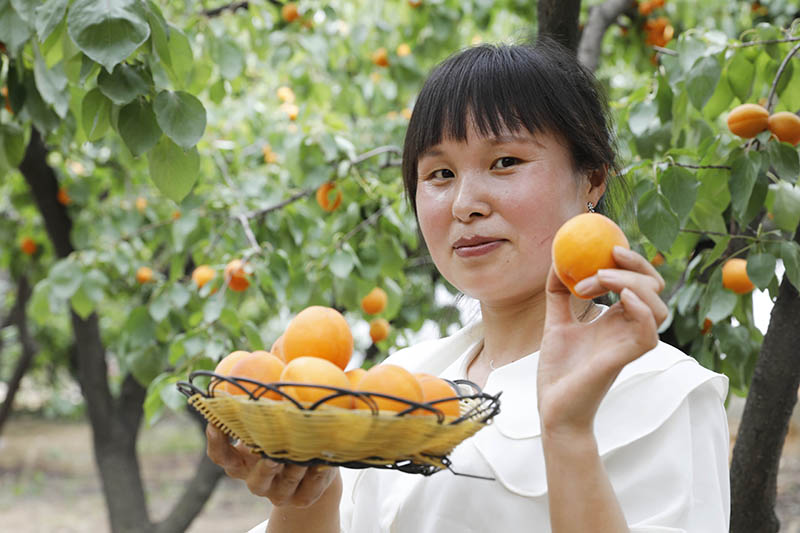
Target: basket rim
x,y
189,388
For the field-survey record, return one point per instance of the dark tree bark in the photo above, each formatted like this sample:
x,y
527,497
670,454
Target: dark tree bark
x,y
19,318
766,416
115,422
558,19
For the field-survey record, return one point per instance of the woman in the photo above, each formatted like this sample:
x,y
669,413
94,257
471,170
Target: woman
x,y
602,428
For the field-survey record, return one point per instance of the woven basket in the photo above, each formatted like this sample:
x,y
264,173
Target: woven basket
x,y
288,431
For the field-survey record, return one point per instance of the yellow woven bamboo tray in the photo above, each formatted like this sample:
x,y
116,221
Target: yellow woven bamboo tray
x,y
289,431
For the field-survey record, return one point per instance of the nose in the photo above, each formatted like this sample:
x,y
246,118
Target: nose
x,y
472,200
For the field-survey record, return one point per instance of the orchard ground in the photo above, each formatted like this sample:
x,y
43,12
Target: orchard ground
x,y
48,480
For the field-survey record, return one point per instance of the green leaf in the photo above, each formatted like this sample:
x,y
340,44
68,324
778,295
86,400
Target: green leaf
x,y
656,220
680,186
124,84
139,328
740,73
158,33
179,295
82,304
643,116
229,58
717,302
784,159
213,307
43,117
52,84
13,28
181,57
181,116
786,206
13,144
790,253
744,172
65,278
760,269
95,114
138,127
173,170
664,100
253,336
108,34
342,263
159,307
48,16
703,78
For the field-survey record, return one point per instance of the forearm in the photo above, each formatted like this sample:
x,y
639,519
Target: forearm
x,y
581,497
322,516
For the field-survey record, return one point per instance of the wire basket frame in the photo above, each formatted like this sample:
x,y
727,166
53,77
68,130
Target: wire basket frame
x,y
307,434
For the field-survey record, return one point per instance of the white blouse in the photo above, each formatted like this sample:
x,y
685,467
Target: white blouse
x,y
661,430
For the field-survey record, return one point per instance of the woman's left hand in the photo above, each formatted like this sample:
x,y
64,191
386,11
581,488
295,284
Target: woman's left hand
x,y
578,362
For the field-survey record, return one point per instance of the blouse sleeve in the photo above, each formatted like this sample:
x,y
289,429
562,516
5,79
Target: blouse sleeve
x,y
676,478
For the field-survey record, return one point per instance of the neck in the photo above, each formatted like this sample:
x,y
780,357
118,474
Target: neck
x,y
513,331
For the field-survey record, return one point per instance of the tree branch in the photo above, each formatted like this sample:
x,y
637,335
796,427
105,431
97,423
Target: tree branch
x,y
232,7
198,490
774,88
19,317
600,18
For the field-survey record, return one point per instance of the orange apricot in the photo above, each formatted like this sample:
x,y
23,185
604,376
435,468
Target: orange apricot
x,y
202,275
316,371
785,126
583,245
392,380
435,388
236,275
378,329
324,197
748,120
144,274
734,276
319,332
28,246
259,366
374,302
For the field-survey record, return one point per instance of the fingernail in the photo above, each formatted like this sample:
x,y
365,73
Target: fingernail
x,y
585,285
622,250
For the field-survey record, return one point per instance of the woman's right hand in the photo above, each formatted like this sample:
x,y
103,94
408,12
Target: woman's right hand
x,y
283,484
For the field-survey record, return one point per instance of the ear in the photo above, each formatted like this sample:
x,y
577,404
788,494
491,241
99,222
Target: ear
x,y
597,184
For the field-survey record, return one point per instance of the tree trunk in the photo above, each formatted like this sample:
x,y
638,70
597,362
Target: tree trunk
x,y
558,20
766,416
19,318
115,422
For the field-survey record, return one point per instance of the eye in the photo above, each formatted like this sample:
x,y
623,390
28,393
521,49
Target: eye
x,y
442,173
505,162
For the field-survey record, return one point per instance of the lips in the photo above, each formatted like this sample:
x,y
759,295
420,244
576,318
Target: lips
x,y
476,240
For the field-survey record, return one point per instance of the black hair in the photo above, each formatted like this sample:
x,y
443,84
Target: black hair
x,y
500,88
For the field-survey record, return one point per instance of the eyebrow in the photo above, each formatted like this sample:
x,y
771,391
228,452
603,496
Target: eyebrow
x,y
495,141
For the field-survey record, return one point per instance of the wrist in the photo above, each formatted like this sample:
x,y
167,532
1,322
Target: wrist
x,y
581,440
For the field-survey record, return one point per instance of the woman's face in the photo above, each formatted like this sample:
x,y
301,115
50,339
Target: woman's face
x,y
489,207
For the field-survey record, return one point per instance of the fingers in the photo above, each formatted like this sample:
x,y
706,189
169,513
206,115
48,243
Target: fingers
x,y
635,274
558,306
636,310
630,260
222,453
314,483
285,483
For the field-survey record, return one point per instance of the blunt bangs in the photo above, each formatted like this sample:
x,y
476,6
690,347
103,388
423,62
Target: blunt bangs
x,y
502,89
